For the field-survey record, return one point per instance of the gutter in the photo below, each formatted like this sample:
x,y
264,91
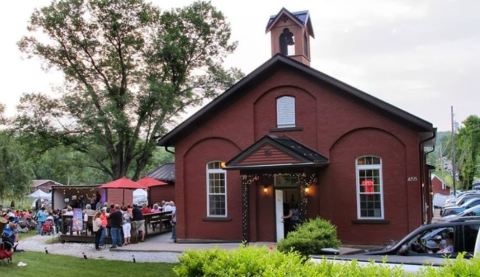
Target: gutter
x,y
423,158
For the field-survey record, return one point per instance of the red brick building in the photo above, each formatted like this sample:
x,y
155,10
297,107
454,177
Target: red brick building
x,y
288,135
439,186
166,192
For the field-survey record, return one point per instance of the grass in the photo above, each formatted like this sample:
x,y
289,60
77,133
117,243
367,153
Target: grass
x,y
22,236
40,264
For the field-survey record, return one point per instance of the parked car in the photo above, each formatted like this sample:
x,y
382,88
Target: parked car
x,y
458,209
473,211
422,246
461,199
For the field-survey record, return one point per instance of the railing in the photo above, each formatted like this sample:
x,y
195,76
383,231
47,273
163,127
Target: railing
x,y
155,223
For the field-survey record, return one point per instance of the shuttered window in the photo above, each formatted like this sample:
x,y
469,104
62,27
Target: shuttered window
x,y
286,112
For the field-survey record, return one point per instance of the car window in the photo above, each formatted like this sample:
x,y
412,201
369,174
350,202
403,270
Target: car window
x,y
470,237
431,241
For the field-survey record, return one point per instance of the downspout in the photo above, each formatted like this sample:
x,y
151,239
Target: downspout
x,y
422,169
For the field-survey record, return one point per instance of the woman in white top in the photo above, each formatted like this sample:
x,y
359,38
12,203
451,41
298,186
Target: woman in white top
x,y
126,225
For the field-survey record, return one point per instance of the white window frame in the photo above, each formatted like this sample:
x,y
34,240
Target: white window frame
x,y
216,170
286,100
380,170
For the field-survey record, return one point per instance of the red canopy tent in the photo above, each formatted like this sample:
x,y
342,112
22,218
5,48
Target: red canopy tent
x,y
122,183
148,182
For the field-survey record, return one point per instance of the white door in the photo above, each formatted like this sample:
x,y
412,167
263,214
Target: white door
x,y
279,213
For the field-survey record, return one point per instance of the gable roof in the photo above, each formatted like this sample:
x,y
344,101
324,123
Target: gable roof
x,y
281,60
165,172
302,18
300,155
37,183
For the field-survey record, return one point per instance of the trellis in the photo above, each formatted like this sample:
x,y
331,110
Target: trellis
x,y
305,180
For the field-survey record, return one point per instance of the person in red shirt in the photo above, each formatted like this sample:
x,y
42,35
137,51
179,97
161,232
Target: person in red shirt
x,y
146,209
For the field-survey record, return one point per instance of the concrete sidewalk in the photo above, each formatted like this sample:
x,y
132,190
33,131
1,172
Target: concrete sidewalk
x,y
163,243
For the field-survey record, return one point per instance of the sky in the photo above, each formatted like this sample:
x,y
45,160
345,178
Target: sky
x,y
422,56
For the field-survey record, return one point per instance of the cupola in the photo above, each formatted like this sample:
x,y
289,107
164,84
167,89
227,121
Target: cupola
x,y
290,34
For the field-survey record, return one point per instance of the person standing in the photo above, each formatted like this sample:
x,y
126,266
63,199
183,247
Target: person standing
x,y
97,229
127,226
116,219
138,222
104,221
174,220
41,218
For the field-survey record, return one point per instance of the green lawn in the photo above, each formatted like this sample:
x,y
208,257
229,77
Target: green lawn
x,y
40,264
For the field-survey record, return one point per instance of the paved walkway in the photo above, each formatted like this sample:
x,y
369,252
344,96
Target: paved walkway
x,y
155,249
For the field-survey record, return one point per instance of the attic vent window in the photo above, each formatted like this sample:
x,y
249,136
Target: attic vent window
x,y
286,112
287,42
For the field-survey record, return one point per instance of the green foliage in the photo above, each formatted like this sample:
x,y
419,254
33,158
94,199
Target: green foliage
x,y
455,267
130,70
15,176
310,237
468,150
255,261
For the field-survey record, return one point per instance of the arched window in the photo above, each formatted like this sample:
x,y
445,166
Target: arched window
x,y
287,42
369,188
216,190
286,112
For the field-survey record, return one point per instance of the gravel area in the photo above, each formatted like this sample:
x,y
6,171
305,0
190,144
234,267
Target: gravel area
x,y
37,244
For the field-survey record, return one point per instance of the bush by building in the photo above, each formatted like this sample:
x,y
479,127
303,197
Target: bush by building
x,y
310,237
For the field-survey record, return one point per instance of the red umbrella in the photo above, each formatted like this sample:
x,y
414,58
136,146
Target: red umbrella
x,y
148,182
122,183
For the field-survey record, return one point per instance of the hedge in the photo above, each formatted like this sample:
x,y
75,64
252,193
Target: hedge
x,y
260,261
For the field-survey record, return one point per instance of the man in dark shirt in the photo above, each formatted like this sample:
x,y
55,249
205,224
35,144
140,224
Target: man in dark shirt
x,y
116,226
138,222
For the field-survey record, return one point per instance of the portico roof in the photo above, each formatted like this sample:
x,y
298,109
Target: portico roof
x,y
272,152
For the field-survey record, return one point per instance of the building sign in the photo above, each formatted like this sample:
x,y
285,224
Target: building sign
x,y
77,224
368,186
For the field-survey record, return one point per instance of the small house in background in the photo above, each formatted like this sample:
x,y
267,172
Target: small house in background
x,y
165,173
44,185
439,186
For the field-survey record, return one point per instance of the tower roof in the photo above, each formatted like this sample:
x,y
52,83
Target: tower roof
x,y
302,18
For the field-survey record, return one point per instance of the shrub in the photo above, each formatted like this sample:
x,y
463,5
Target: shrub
x,y
310,237
256,261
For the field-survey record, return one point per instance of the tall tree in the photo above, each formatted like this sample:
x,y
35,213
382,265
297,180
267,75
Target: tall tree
x,y
15,176
3,119
468,150
130,69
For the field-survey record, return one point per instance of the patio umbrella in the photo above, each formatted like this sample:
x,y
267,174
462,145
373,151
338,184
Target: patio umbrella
x,y
148,182
122,183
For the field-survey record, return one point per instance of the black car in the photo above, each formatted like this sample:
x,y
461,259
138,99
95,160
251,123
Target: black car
x,y
424,245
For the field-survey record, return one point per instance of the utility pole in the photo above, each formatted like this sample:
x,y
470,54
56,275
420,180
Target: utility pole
x,y
453,153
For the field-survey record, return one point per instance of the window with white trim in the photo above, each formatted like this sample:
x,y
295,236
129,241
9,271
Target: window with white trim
x,y
216,190
369,188
286,112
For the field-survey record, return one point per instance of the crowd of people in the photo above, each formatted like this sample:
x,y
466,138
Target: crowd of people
x,y
118,222
104,220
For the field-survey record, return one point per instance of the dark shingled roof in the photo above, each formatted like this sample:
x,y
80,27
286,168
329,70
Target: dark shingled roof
x,y
260,74
165,172
301,17
304,155
300,149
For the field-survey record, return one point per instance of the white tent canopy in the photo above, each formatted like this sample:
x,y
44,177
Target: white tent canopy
x,y
40,194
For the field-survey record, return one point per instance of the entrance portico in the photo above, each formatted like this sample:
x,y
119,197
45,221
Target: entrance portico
x,y
276,174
